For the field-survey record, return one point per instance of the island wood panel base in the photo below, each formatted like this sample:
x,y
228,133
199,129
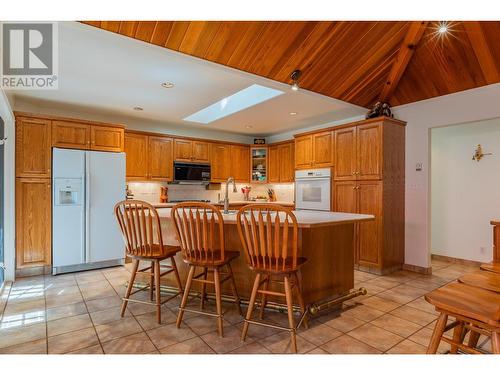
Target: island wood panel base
x,y
328,273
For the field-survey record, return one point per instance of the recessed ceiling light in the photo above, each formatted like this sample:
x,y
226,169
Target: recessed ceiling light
x,y
138,108
167,85
293,113
248,126
443,29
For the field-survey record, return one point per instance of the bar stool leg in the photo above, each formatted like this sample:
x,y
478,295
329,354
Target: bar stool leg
x,y
218,302
185,296
457,337
263,301
473,339
203,288
437,334
251,305
495,342
289,305
233,287
176,274
157,290
135,266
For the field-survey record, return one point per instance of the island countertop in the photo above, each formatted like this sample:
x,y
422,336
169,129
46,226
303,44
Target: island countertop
x,y
305,219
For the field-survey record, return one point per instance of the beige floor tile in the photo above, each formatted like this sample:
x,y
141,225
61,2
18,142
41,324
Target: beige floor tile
x,y
138,343
72,323
26,296
62,290
169,335
148,321
202,324
68,299
109,315
380,282
396,325
413,315
407,347
376,337
252,348
395,296
371,290
66,311
118,328
17,320
72,341
318,351
423,337
381,304
228,343
281,343
257,332
24,307
140,308
20,335
320,334
90,277
100,292
190,346
348,345
103,303
343,323
363,312
94,349
422,304
32,347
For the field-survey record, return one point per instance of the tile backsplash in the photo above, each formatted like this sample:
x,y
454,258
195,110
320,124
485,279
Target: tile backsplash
x,y
150,191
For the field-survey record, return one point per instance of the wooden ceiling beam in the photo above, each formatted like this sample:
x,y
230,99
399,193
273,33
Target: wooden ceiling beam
x,y
482,51
415,33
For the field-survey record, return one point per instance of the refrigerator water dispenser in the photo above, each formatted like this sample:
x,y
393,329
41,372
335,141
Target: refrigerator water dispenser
x,y
68,192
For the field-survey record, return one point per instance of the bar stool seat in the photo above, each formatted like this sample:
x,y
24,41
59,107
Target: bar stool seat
x,y
228,256
491,267
159,252
474,309
484,280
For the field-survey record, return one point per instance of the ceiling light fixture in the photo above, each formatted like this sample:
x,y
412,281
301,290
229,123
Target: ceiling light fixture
x,y
293,113
443,28
295,79
138,108
248,126
167,85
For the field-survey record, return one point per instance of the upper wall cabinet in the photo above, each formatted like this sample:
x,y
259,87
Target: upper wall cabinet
x,y
33,147
240,163
191,151
106,138
149,157
281,162
314,150
345,154
69,134
220,162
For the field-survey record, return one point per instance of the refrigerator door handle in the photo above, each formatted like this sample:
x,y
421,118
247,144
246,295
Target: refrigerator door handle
x,y
86,228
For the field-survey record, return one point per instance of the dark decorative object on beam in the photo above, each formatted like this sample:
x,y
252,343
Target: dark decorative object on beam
x,y
380,109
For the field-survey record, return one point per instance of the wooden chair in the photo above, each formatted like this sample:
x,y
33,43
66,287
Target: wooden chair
x,y
140,226
200,229
494,266
269,234
474,309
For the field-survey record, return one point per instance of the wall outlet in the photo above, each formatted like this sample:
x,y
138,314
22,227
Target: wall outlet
x,y
418,167
482,249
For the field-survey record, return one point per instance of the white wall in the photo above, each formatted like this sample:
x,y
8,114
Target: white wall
x,y
466,106
464,192
9,188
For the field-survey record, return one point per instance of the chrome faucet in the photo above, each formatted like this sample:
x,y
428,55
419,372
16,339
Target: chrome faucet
x,y
226,198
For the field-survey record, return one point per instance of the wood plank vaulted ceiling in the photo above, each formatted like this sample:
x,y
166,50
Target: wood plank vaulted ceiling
x,y
358,62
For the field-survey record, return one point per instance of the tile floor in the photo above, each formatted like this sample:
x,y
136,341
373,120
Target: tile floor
x,y
80,314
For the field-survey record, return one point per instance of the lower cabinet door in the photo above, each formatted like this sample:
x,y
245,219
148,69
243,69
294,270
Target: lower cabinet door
x,y
33,222
370,233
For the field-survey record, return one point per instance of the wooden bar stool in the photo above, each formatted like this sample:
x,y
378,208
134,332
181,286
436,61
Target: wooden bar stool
x,y
140,226
494,266
474,309
269,234
200,229
491,267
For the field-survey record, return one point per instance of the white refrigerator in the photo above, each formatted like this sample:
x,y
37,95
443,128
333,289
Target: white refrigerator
x,y
86,186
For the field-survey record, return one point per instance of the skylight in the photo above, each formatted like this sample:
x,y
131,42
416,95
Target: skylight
x,y
239,101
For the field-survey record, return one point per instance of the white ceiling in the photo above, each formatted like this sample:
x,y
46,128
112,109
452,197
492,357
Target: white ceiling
x,y
108,72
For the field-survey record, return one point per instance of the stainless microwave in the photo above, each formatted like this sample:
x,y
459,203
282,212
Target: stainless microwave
x,y
189,172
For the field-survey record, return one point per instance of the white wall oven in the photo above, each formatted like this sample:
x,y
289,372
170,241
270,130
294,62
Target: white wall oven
x,y
313,189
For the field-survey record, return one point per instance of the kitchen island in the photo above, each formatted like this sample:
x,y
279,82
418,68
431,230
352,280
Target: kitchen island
x,y
326,239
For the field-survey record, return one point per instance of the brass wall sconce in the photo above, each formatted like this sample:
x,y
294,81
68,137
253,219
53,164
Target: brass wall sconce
x,y
478,154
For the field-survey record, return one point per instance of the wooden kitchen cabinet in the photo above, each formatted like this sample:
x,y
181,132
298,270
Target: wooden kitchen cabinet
x,y
136,151
69,134
281,162
304,152
191,151
160,158
369,151
345,154
369,194
345,197
322,149
220,162
106,138
33,147
240,163
33,218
